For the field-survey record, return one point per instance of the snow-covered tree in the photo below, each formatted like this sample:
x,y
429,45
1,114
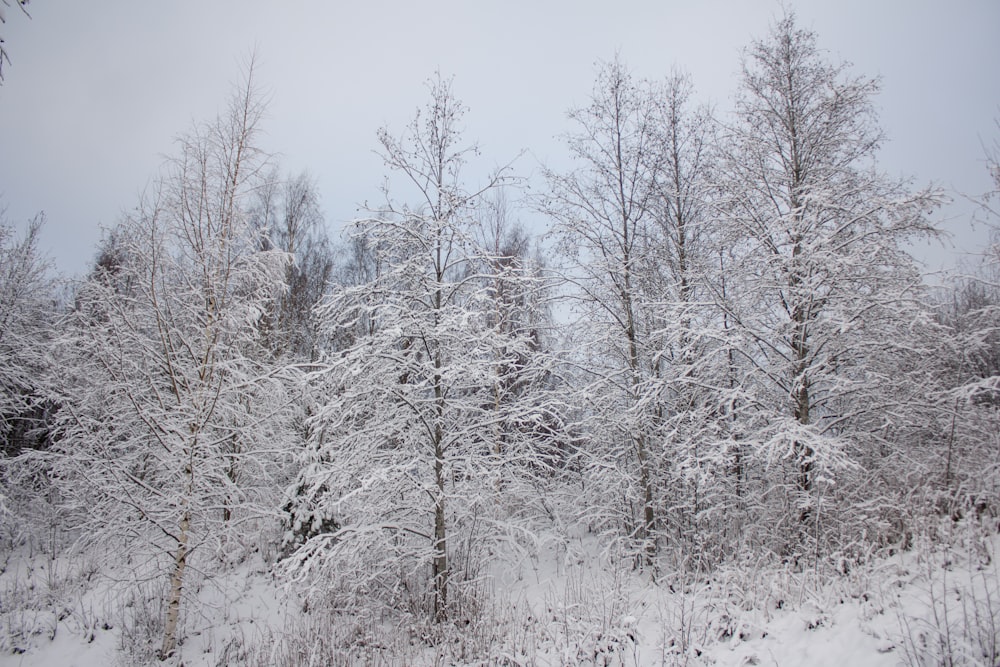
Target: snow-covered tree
x,y
964,458
696,456
26,317
289,219
171,424
821,290
518,289
602,213
405,472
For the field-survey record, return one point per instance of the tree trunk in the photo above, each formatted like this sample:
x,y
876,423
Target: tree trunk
x,y
176,587
648,517
440,565
801,317
642,453
180,561
803,452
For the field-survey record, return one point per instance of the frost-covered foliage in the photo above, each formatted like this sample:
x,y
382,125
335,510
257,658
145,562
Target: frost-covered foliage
x,y
712,417
433,418
27,309
288,219
171,424
824,296
27,314
634,231
751,348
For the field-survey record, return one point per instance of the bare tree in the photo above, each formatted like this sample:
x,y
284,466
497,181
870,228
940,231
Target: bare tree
x,y
27,312
4,58
695,453
821,290
289,219
603,213
171,424
403,466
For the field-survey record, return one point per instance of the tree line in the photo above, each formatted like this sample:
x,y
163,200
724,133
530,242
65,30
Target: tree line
x,y
720,348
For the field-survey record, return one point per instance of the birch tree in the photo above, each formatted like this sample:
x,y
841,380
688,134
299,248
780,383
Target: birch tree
x,y
171,424
695,451
602,214
288,218
822,287
27,326
27,313
403,467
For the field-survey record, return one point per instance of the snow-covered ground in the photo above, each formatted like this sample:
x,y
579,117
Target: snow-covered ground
x,y
565,606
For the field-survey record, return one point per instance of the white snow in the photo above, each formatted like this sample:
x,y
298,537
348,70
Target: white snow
x,y
567,605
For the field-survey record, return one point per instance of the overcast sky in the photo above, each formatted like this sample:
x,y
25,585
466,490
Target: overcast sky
x,y
96,92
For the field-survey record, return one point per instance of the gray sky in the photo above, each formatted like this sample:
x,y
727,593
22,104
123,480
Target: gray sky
x,y
97,91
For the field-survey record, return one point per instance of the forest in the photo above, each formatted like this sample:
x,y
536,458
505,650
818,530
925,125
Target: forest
x,y
713,394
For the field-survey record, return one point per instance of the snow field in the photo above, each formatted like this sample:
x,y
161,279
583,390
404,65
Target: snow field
x,y
572,603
